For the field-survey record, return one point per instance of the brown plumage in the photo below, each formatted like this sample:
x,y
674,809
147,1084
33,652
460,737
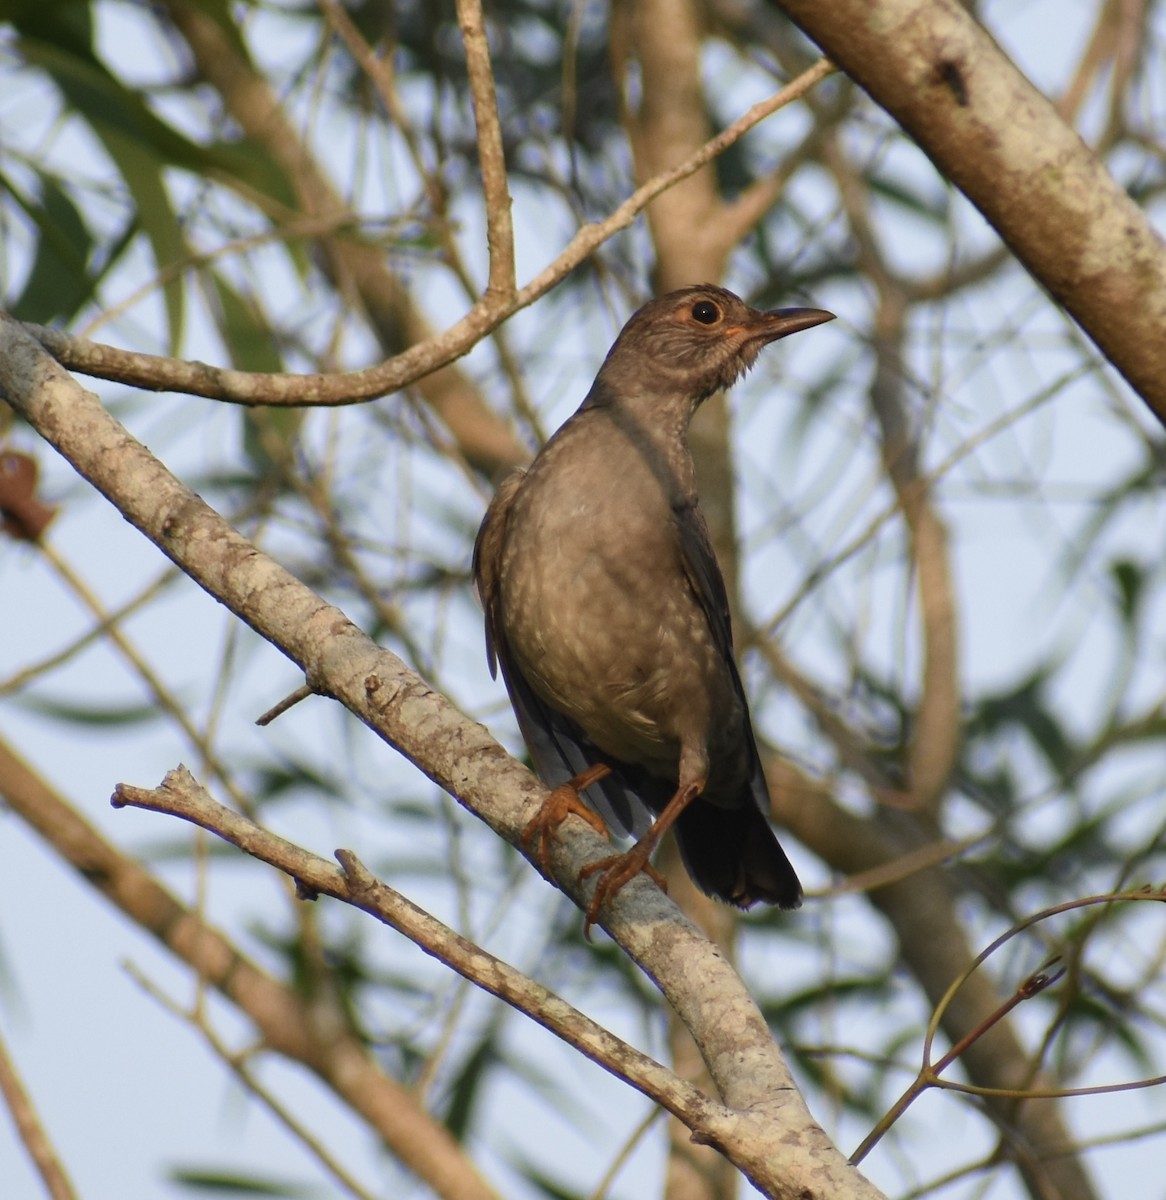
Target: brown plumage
x,y
607,612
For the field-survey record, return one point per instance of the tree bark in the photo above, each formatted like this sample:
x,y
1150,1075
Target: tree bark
x,y
939,73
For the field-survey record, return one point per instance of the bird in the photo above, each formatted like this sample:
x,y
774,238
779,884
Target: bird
x,y
607,612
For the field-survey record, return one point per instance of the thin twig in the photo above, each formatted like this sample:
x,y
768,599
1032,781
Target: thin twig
x,y
158,373
929,1074
491,153
162,697
180,795
31,1132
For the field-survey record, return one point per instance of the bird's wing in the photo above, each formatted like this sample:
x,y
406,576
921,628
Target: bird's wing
x,y
704,574
487,562
558,746
708,586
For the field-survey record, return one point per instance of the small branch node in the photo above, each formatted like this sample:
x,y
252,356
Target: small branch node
x,y
289,701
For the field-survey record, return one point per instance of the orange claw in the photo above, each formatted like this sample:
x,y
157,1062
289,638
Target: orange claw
x,y
556,808
618,870
621,869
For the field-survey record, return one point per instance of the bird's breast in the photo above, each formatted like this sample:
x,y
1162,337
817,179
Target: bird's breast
x,y
600,620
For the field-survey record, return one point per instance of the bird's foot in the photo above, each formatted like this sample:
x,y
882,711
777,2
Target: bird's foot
x,y
618,870
622,868
556,808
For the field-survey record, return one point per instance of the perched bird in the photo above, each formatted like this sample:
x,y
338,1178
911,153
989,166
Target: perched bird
x,y
607,612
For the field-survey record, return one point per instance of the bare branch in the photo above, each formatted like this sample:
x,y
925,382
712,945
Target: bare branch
x,y
32,1132
285,1021
491,156
482,437
181,795
156,373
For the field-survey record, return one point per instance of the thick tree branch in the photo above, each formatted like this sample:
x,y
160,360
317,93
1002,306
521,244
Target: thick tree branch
x,y
667,123
936,735
938,72
935,738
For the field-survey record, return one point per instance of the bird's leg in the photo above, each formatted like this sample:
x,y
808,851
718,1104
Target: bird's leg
x,y
556,808
622,868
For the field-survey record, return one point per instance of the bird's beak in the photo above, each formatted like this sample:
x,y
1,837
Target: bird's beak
x,y
781,322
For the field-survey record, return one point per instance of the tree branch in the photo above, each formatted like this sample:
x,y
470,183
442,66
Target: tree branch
x,y
287,1024
180,795
32,1132
351,265
491,157
770,1135
938,72
157,373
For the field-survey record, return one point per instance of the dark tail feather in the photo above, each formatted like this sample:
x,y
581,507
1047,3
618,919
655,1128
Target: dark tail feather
x,y
732,854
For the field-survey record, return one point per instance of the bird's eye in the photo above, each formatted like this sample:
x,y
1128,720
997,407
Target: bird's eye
x,y
706,312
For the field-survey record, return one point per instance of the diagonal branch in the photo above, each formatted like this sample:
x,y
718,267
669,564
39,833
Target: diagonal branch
x,y
256,388
938,72
180,795
32,1132
769,1133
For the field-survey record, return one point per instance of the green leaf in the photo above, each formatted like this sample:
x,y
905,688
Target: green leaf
x,y
59,282
270,435
64,22
931,208
142,173
546,1185
108,105
1130,579
140,145
244,327
235,1184
467,1086
93,715
1025,706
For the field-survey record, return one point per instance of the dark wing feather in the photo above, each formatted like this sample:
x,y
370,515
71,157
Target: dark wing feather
x,y
704,573
561,750
486,566
708,585
730,852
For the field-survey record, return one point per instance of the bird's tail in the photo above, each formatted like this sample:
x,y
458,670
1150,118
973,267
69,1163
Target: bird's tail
x,y
732,854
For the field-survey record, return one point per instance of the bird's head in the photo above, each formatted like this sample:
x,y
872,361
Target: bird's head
x,y
694,342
